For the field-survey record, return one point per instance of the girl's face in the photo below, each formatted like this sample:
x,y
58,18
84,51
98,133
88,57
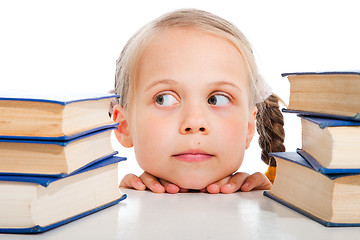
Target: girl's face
x,y
190,120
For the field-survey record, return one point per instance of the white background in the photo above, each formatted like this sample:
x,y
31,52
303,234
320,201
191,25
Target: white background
x,y
73,45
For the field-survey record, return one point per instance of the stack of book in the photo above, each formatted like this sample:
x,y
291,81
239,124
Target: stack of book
x,y
322,179
57,163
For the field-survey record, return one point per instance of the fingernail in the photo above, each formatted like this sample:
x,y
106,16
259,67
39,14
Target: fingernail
x,y
139,184
229,185
246,184
170,185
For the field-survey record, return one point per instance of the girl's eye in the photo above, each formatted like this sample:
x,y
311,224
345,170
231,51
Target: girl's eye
x,y
166,100
218,100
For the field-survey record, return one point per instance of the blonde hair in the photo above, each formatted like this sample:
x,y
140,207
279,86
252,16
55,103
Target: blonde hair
x,y
126,65
269,118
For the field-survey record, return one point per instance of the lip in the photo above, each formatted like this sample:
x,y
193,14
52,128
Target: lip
x,y
193,155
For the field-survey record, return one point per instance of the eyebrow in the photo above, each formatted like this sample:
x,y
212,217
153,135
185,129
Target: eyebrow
x,y
173,82
163,81
222,83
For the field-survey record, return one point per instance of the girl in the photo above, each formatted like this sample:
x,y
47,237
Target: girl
x,y
190,94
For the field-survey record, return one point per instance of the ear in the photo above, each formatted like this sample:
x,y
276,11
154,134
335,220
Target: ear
x,y
122,133
251,126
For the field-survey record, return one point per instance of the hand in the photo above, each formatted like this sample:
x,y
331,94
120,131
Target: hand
x,y
240,181
146,180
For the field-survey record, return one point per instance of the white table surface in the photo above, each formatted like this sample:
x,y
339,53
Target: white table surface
x,y
145,215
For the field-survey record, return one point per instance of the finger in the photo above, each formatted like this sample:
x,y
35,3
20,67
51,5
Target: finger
x,y
235,182
152,183
169,187
256,181
132,181
214,188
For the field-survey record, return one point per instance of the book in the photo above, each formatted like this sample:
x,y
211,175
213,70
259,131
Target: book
x,y
327,94
54,158
319,168
330,199
37,204
52,116
333,143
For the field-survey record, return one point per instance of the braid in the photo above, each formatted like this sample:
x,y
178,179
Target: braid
x,y
270,126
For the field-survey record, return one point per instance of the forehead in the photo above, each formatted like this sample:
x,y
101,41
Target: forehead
x,y
190,50
186,38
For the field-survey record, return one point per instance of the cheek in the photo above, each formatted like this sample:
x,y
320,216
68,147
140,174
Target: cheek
x,y
150,136
151,130
232,135
233,128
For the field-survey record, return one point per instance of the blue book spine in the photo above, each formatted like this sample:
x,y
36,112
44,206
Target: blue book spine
x,y
356,72
330,122
61,98
356,117
311,163
330,172
46,180
60,140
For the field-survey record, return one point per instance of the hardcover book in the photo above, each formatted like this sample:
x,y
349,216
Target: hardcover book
x,y
52,116
334,94
54,158
37,204
333,143
330,199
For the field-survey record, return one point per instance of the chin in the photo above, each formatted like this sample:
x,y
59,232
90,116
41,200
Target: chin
x,y
193,184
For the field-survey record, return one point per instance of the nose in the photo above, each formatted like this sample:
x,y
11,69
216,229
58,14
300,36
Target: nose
x,y
194,122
